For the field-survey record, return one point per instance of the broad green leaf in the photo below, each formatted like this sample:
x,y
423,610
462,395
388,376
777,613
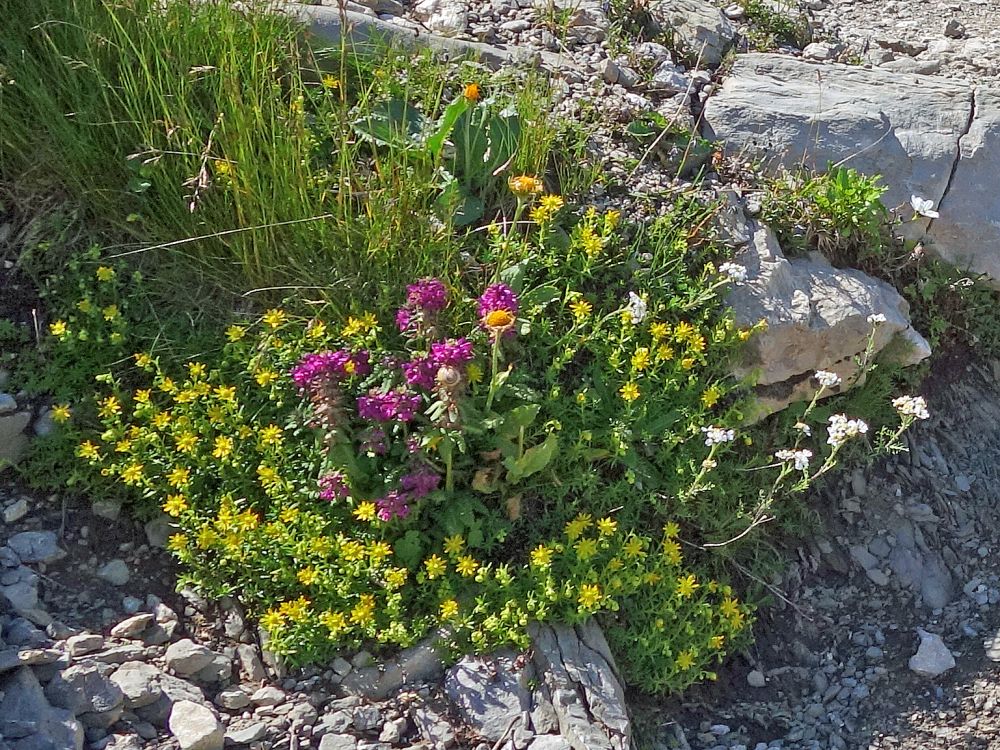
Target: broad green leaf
x,y
534,460
409,548
393,123
445,125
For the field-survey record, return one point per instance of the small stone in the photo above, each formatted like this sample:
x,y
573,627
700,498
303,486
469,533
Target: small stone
x,y
84,643
250,662
185,657
954,29
933,657
268,696
246,734
109,509
139,682
36,547
115,572
338,742
393,731
341,666
15,511
756,679
132,626
195,726
131,604
362,659
366,718
232,698
159,530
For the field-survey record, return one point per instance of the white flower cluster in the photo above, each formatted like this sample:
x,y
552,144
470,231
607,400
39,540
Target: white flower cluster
x,y
828,379
911,406
734,272
804,429
923,207
876,319
842,429
800,457
636,308
714,435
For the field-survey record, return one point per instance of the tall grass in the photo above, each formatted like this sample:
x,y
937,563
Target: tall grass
x,y
206,136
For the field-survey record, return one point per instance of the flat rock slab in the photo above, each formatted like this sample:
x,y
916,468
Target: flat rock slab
x,y
793,112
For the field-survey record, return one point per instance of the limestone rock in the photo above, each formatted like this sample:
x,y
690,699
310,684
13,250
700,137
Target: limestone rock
x,y
489,693
13,440
794,112
36,547
196,727
115,572
967,233
83,688
23,697
185,657
818,318
933,657
700,29
448,17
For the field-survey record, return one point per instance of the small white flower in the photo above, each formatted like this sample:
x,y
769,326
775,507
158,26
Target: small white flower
x,y
804,429
715,435
911,406
734,272
827,379
800,457
923,207
876,319
709,463
842,429
636,308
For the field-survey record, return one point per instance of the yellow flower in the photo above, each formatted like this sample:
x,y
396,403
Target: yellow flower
x,y
365,511
640,360
395,578
196,370
548,206
264,378
664,352
687,586
581,309
235,333
88,450
696,343
672,552
575,528
629,392
474,372
215,413
659,331
61,413
335,622
271,435
274,317
590,595
177,542
716,642
351,550
109,407
296,610
435,567
110,312
379,551
132,474
268,477
186,442
471,92
453,544
167,385
105,274
449,609
467,566
175,505
687,363
671,529
685,660
179,477
143,396
58,328
316,329
634,547
525,185
226,392
307,576
710,397
729,607
123,446
364,612
683,331
541,556
223,447
499,319
606,526
586,548
590,242
161,419
330,83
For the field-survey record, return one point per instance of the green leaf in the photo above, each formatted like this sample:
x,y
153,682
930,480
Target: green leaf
x,y
409,548
469,211
534,460
542,296
445,125
513,276
521,416
393,123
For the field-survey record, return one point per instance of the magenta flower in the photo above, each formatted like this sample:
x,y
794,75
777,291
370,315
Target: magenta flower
x,y
419,483
451,353
385,407
393,505
497,297
420,372
333,486
318,366
428,294
404,318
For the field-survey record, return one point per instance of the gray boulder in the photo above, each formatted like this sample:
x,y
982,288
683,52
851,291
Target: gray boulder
x,y
185,657
24,703
700,30
489,693
36,547
196,727
83,688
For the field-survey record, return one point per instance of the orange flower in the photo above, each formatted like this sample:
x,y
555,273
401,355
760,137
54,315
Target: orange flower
x,y
471,92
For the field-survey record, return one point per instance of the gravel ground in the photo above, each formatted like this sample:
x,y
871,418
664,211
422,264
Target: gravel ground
x,y
909,543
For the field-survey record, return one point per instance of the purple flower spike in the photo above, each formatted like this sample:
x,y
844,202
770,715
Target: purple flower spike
x,y
497,297
420,483
404,318
312,368
392,506
385,407
420,372
451,353
429,295
333,486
